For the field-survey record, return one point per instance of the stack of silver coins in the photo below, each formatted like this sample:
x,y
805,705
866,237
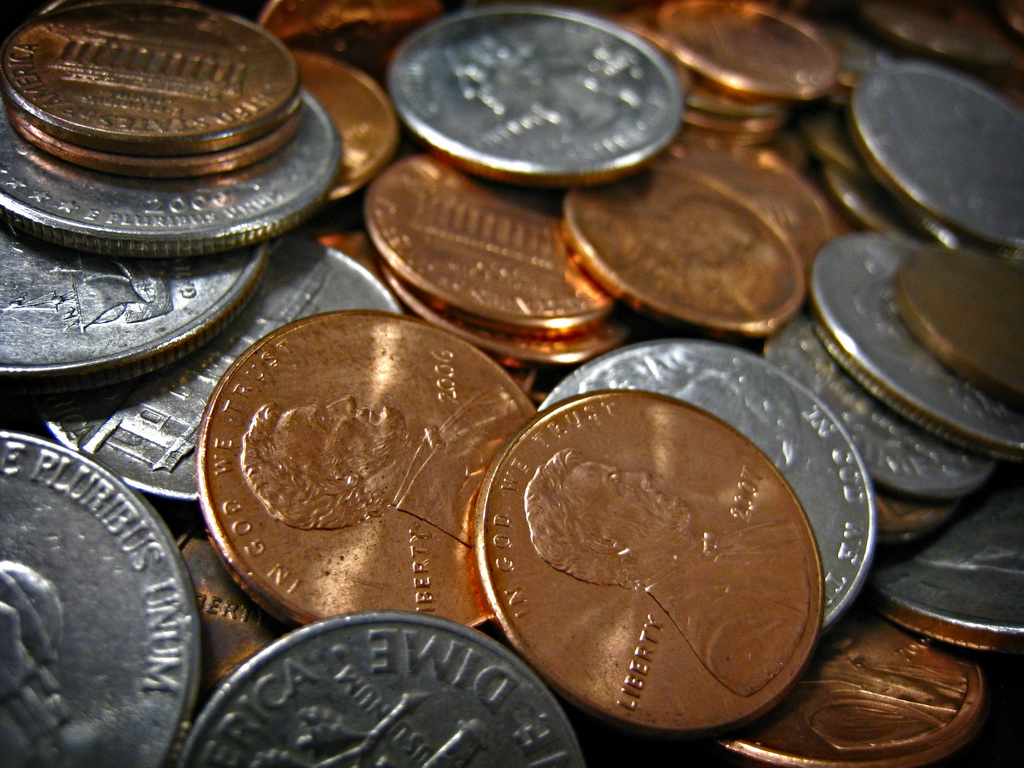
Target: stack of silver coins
x,y
505,385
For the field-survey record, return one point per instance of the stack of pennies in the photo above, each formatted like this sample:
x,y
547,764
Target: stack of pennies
x,y
682,543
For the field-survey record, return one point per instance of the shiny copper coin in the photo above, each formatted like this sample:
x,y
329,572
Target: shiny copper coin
x,y
776,189
650,563
361,112
363,34
752,48
759,127
337,460
232,626
149,78
968,310
901,520
514,349
490,251
141,166
873,697
686,250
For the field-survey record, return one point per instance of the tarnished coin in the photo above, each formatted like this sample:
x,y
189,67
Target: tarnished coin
x,y
751,48
681,572
536,94
514,349
233,627
491,252
148,78
362,113
791,425
828,138
99,637
120,216
968,310
852,294
928,132
900,457
865,202
901,519
872,696
965,586
361,34
70,320
337,460
145,429
686,250
155,167
385,689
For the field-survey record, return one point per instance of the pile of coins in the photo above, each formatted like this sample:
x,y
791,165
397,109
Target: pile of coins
x,y
606,417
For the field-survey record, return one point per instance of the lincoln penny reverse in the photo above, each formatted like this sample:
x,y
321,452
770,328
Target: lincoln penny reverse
x,y
337,460
650,563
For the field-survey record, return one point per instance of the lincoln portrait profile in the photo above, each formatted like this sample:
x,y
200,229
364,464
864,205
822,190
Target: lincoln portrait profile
x,y
617,529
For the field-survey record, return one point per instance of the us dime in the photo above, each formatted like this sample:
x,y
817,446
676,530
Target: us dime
x,y
99,634
145,429
536,94
385,689
794,428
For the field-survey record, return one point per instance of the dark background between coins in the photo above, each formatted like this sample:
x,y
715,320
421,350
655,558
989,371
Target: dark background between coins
x,y
998,745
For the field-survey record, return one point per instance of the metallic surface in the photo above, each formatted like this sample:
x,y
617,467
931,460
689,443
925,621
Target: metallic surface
x,y
928,132
383,689
901,520
536,94
900,457
337,459
511,348
731,273
148,78
968,310
145,429
232,626
852,294
966,585
118,216
362,113
650,563
873,697
70,320
790,424
751,48
864,201
99,637
363,34
491,252
157,167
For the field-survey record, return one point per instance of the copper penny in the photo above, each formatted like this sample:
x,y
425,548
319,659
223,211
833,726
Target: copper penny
x,y
514,349
232,627
760,128
361,112
488,250
751,48
967,309
149,78
181,166
689,251
337,459
902,519
650,563
776,189
363,34
874,696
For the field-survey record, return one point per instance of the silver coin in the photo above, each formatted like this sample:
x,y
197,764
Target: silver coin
x,y
929,132
70,320
124,216
900,457
852,295
145,429
536,93
389,688
786,421
99,633
967,585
